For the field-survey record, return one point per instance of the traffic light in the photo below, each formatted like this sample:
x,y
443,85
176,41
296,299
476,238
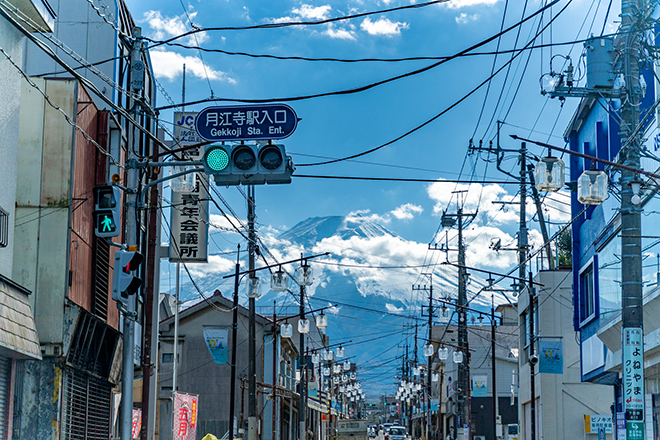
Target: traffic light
x,y
248,164
124,283
107,211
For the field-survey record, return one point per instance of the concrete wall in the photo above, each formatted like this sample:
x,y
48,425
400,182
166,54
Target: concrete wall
x,y
10,97
43,198
562,399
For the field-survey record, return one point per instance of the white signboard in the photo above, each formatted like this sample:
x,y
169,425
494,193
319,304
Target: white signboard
x,y
594,423
190,208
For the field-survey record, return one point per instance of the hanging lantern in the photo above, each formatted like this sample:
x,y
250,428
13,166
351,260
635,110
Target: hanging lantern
x,y
443,314
326,371
328,355
458,357
349,388
341,388
344,378
415,370
336,368
316,358
279,281
341,352
253,288
347,365
305,275
428,350
435,377
481,321
303,326
418,387
326,389
322,320
286,330
335,380
549,174
443,353
353,376
592,187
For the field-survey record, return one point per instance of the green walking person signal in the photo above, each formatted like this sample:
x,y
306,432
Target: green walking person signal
x,y
107,211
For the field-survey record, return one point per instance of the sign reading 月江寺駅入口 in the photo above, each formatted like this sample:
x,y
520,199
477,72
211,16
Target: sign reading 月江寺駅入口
x,y
246,122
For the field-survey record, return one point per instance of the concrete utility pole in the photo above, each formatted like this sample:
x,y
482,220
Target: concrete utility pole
x,y
234,333
252,368
429,359
132,240
631,243
303,367
496,408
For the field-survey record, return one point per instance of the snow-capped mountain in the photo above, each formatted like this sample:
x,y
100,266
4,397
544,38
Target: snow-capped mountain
x,y
368,277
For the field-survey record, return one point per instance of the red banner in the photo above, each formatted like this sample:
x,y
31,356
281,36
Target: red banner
x,y
136,423
185,416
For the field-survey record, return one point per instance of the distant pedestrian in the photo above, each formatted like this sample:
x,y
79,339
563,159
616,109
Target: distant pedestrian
x,y
450,434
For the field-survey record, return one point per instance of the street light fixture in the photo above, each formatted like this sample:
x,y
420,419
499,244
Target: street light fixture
x,y
279,281
592,187
253,287
549,174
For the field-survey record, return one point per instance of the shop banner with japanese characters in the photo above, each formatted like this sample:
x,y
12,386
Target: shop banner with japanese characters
x,y
190,206
479,386
633,383
137,423
216,341
185,416
594,423
551,359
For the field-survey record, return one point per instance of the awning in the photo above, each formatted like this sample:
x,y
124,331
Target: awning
x,y
18,333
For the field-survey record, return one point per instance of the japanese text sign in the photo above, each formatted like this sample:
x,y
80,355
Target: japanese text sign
x,y
189,240
593,423
253,122
633,382
185,417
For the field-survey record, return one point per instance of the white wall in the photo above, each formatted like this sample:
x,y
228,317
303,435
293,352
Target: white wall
x,y
10,96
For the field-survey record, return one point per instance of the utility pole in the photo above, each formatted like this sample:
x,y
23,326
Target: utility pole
x,y
303,367
532,364
252,368
429,359
496,409
631,243
463,396
234,332
132,240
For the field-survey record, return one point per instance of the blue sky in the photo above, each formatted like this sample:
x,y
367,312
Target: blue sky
x,y
338,126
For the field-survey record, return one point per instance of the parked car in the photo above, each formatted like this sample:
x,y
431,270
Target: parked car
x,y
396,433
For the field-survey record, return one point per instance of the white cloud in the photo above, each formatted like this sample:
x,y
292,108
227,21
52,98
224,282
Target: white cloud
x,y
338,33
464,18
169,65
216,264
310,12
457,4
407,211
365,214
382,26
165,27
393,309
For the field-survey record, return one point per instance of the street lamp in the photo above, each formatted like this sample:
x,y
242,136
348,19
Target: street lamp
x,y
279,281
549,174
592,187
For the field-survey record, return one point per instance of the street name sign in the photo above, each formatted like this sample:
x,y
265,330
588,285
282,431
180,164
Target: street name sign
x,y
246,122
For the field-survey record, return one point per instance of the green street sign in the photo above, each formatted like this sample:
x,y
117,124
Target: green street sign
x,y
634,430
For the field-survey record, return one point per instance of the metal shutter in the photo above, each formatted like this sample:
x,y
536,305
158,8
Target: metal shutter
x,y
85,406
5,364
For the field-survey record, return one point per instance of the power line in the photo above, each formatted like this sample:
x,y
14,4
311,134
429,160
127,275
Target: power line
x,y
372,85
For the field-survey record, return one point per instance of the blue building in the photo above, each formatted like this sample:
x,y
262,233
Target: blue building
x,y
594,131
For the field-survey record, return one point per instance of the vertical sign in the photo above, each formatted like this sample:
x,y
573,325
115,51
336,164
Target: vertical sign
x,y
136,424
190,213
479,386
633,383
185,417
551,358
216,341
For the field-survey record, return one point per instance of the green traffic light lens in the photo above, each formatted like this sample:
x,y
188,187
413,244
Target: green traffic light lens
x,y
217,159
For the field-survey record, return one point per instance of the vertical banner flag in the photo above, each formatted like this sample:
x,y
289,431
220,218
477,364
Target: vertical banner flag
x,y
479,386
190,206
551,359
633,383
185,417
216,341
136,424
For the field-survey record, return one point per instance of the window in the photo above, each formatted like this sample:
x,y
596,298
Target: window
x,y
588,290
4,228
167,358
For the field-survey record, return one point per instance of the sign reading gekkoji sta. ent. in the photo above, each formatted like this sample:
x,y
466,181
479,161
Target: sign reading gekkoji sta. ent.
x,y
246,122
